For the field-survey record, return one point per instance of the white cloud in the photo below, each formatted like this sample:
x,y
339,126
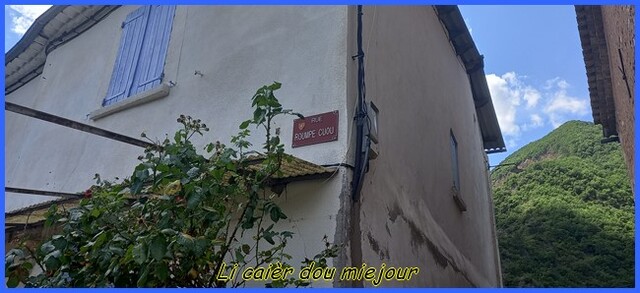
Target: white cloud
x,y
22,16
562,84
556,82
561,106
536,120
506,99
521,107
566,104
532,96
551,82
508,92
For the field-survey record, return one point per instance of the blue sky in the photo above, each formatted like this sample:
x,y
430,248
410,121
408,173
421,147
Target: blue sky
x,y
17,19
534,67
533,62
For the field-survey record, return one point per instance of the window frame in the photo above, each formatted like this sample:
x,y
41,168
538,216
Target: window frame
x,y
455,162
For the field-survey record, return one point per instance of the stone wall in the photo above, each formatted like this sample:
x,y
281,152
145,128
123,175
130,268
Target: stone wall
x,y
619,30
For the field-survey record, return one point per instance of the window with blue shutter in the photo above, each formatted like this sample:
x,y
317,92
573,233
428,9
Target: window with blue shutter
x,y
143,48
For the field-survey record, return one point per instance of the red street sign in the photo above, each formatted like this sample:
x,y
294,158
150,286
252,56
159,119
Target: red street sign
x,y
315,129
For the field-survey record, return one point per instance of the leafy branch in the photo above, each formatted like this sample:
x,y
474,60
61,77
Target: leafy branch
x,y
176,219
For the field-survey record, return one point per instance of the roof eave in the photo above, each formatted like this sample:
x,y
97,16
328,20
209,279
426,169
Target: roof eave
x,y
596,54
58,25
33,31
466,49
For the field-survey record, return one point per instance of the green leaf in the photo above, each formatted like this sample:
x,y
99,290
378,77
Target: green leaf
x,y
163,168
142,281
247,225
168,231
209,147
193,172
194,199
52,261
95,213
200,245
140,253
261,101
245,124
59,242
158,247
185,240
217,242
162,272
273,103
258,115
269,238
275,86
128,255
274,215
246,248
27,265
100,239
217,173
117,250
209,209
282,215
239,256
47,247
136,187
277,214
13,282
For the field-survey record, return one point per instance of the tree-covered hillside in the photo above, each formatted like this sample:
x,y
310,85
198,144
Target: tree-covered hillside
x,y
565,212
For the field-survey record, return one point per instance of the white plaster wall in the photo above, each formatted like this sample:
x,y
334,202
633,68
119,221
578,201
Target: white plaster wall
x,y
312,217
408,216
237,49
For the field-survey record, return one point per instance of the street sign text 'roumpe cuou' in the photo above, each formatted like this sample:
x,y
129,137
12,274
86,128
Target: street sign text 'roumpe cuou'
x,y
315,129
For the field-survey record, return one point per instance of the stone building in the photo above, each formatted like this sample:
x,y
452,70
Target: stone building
x,y
607,34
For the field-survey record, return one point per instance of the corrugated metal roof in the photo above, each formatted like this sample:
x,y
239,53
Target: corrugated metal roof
x,y
36,213
293,167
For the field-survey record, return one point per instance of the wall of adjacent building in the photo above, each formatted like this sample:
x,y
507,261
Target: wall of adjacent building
x,y
619,30
236,50
407,214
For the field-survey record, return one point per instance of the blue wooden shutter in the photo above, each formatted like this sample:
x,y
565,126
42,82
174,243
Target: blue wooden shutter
x,y
150,68
131,41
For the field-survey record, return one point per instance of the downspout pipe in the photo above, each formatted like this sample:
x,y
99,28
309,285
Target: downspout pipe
x,y
359,115
359,164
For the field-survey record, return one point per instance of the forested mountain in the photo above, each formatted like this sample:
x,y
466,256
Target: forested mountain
x,y
565,212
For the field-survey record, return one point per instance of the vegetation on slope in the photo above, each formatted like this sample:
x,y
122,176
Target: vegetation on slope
x,y
565,212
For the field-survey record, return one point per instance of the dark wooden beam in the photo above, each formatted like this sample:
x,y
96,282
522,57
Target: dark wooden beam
x,y
42,192
75,125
